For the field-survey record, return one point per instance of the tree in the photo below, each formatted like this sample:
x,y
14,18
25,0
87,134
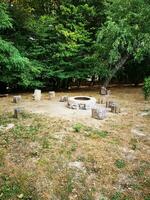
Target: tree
x,y
124,35
15,70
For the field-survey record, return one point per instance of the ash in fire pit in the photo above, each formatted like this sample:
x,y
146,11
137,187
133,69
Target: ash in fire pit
x,y
81,102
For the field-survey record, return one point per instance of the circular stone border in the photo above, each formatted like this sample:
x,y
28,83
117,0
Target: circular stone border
x,y
81,102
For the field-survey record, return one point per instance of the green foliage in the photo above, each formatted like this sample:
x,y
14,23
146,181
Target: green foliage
x,y
5,20
120,164
15,69
52,43
146,88
126,31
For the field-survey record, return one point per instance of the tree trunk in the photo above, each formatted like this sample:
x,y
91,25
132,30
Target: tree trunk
x,y
118,66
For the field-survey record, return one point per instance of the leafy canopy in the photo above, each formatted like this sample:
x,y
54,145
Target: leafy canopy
x,y
126,31
14,68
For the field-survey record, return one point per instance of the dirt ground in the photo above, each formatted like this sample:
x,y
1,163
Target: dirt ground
x,y
54,108
63,154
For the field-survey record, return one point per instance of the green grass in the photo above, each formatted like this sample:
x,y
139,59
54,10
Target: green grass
x,y
90,132
147,197
116,196
26,132
77,127
101,134
11,188
120,163
45,143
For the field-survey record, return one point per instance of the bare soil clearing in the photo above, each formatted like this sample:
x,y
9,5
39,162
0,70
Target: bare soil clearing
x,y
63,154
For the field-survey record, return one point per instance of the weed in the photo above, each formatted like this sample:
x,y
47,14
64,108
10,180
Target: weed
x,y
25,132
116,196
120,164
134,144
16,187
74,147
114,141
139,172
136,187
77,127
101,134
45,143
147,197
2,156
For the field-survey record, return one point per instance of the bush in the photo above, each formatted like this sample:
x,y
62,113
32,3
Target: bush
x,y
146,88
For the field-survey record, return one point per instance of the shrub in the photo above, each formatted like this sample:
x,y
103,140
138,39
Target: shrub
x,y
146,88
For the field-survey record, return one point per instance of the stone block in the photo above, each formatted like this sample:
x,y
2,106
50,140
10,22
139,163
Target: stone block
x,y
18,112
104,91
17,99
115,108
63,99
51,95
37,95
99,113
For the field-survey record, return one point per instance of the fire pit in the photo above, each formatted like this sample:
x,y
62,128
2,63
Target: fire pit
x,y
81,102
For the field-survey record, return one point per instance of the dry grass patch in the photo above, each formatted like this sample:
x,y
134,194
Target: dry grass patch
x,y
43,158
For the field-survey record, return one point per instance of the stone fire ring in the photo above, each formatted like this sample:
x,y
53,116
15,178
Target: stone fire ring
x,y
81,102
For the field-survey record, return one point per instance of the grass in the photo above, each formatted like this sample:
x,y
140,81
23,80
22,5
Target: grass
x,y
35,156
101,134
77,127
90,132
12,188
120,164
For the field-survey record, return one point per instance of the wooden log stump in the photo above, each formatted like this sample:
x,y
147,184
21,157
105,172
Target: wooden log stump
x,y
17,99
99,113
37,95
51,95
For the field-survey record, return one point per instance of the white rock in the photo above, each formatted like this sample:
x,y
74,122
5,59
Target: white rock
x,y
9,126
77,165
